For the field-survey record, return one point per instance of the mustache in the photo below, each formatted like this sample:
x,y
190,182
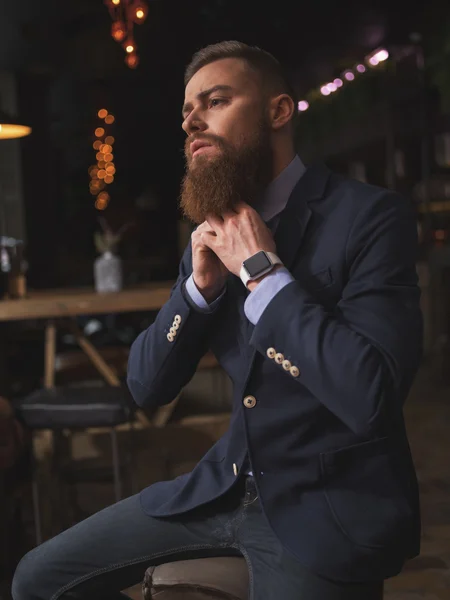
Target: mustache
x,y
203,137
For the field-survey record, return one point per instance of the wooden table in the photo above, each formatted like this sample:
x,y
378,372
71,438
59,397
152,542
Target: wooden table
x,y
68,302
59,305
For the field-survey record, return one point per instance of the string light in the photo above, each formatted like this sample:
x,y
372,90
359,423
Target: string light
x,y
349,75
102,173
101,203
377,57
140,12
118,31
125,14
132,60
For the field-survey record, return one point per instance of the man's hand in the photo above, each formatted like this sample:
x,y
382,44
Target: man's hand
x,y
235,236
208,271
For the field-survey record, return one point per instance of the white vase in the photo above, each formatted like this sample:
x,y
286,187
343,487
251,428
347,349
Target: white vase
x,y
108,273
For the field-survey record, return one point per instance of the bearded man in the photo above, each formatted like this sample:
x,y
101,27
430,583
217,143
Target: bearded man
x,y
303,285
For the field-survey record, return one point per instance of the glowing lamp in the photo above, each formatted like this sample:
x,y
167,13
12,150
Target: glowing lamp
x,y
12,128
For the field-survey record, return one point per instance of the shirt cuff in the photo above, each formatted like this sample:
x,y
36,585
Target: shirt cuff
x,y
197,298
258,300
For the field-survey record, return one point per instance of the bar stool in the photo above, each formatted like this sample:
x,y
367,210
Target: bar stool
x,y
213,578
71,408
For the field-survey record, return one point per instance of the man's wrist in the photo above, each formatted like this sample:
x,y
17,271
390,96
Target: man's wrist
x,y
251,285
209,294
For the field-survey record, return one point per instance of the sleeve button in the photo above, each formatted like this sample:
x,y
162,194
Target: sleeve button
x,y
279,358
294,371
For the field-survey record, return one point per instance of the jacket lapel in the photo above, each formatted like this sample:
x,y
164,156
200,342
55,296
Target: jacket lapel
x,y
290,232
295,218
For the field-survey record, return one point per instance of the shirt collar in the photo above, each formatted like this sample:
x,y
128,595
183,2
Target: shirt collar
x,y
277,194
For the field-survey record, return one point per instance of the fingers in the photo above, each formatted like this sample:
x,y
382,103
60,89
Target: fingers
x,y
242,207
203,236
214,222
205,226
208,238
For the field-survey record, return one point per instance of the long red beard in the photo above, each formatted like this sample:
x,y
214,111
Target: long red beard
x,y
214,185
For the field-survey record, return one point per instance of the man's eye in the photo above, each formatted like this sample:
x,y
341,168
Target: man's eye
x,y
216,101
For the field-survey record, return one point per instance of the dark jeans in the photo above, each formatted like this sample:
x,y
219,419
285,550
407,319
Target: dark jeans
x,y
111,550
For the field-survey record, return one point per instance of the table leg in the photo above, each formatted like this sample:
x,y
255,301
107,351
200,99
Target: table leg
x,y
101,365
43,446
50,352
95,357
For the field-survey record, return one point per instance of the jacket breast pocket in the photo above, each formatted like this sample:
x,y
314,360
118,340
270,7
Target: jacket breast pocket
x,y
363,494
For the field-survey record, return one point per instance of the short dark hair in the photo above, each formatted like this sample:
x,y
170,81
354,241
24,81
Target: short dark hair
x,y
272,75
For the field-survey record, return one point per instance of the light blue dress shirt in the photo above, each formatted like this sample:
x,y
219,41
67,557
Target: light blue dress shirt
x,y
273,202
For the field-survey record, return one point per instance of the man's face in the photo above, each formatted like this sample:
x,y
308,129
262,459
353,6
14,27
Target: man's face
x,y
228,148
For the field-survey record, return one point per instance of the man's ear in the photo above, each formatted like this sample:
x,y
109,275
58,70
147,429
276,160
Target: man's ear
x,y
281,111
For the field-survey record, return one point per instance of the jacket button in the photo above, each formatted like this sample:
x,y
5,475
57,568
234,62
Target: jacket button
x,y
235,469
271,352
279,358
286,365
175,325
170,337
177,319
294,371
249,401
173,331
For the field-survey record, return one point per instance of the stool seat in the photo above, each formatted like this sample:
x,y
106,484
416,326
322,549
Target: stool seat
x,y
76,407
198,579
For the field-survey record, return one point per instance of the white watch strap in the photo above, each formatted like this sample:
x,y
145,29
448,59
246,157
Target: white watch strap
x,y
274,259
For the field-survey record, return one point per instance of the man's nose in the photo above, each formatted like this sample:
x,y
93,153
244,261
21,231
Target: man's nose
x,y
193,124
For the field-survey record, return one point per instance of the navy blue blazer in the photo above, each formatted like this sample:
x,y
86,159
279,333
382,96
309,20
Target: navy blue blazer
x,y
327,443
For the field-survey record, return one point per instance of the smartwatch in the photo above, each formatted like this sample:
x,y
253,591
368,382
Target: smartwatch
x,y
258,265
